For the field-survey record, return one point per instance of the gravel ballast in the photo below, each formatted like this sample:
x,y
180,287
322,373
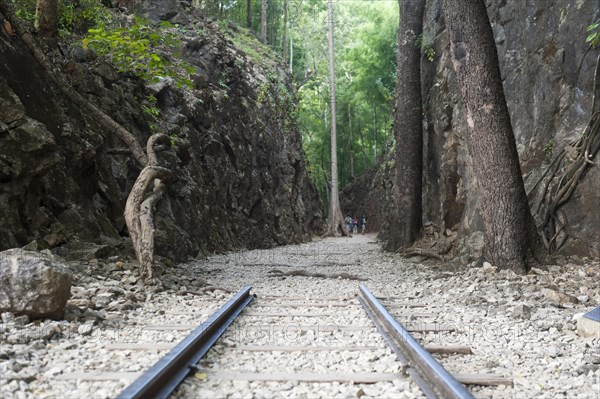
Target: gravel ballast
x,y
522,327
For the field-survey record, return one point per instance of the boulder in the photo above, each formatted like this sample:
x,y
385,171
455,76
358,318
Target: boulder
x,y
33,284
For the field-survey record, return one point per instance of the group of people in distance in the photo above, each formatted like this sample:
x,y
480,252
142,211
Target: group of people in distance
x,y
354,224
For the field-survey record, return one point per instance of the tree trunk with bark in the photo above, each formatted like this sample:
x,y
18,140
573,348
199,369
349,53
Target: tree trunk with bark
x,y
249,14
263,21
291,48
362,144
374,133
46,21
408,129
284,44
351,142
336,218
510,234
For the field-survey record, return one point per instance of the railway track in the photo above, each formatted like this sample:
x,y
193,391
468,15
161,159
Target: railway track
x,y
278,339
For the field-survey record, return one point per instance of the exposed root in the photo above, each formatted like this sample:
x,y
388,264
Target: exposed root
x,y
304,273
420,252
139,208
559,183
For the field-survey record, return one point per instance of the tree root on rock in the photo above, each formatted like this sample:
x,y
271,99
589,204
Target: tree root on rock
x,y
139,208
556,186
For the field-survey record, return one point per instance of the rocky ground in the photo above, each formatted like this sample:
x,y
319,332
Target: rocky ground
x,y
518,326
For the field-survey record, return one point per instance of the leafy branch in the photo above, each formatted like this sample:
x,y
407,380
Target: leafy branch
x,y
139,49
426,48
594,33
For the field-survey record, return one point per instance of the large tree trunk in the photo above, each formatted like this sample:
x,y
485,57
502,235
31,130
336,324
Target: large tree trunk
x,y
408,128
263,21
46,21
336,219
509,228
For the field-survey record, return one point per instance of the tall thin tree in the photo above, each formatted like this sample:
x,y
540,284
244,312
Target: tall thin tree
x,y
284,44
249,14
362,143
510,232
351,143
336,218
406,220
263,21
374,133
46,21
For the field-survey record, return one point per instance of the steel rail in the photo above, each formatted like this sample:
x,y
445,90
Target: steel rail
x,y
166,374
433,379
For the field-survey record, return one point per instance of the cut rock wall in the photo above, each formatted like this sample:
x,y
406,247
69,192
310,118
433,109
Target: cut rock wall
x,y
240,171
548,83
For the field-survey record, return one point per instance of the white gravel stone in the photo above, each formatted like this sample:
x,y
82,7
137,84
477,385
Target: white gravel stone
x,y
487,307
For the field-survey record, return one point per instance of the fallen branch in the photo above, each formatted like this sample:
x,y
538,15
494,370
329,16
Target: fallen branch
x,y
304,273
420,252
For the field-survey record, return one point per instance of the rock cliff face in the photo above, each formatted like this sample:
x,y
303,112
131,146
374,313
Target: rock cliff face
x,y
548,82
240,172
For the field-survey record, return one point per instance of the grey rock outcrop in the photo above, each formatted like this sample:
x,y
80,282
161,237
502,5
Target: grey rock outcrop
x,y
33,284
548,77
240,175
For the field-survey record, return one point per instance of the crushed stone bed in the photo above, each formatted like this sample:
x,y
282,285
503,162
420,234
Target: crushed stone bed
x,y
523,327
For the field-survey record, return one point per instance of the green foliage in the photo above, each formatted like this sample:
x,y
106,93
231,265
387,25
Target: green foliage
x,y
365,54
426,48
138,49
72,15
150,107
593,33
25,10
548,147
81,14
251,46
429,53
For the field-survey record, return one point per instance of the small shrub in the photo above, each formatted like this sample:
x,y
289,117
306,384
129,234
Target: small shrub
x,y
137,50
426,48
593,33
548,148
